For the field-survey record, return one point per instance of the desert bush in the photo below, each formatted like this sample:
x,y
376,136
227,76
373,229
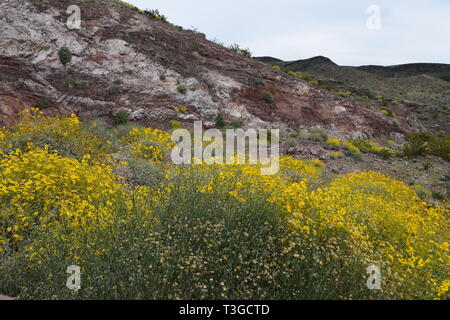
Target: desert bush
x,y
268,97
334,142
182,89
68,136
317,134
353,154
220,121
229,233
290,142
65,56
336,155
154,14
148,144
80,84
210,231
121,117
45,102
38,187
368,146
145,173
350,146
344,93
387,112
242,51
306,77
236,124
417,145
175,124
127,38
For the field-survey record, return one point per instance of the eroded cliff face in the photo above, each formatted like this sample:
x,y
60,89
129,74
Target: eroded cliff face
x,y
108,72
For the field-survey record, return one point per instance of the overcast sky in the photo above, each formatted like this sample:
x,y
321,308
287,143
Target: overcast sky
x,y
411,30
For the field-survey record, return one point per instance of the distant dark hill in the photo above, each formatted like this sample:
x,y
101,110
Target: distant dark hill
x,y
437,70
422,87
268,59
312,62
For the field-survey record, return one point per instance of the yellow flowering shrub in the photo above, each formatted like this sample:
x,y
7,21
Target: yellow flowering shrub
x,y
310,169
37,187
175,124
334,142
388,216
336,155
217,231
65,135
368,146
2,135
348,145
148,143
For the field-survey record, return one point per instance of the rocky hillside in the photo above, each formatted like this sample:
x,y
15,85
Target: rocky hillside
x,y
422,88
123,58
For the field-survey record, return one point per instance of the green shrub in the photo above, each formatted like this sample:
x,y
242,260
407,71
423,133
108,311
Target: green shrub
x,y
353,154
5,78
154,14
344,93
268,97
121,117
80,84
244,52
145,173
127,38
384,153
220,121
306,77
290,142
387,112
65,56
423,143
336,155
45,102
182,89
236,124
317,134
438,196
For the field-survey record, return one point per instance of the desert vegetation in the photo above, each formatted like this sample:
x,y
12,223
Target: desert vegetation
x,y
110,201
